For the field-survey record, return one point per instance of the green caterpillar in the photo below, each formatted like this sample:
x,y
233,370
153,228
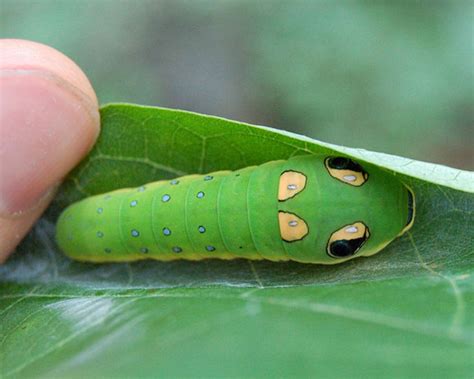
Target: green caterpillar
x,y
311,209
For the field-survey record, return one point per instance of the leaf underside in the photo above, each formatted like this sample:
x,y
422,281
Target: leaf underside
x,y
408,311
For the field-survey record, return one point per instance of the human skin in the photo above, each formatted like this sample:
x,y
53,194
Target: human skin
x,y
49,120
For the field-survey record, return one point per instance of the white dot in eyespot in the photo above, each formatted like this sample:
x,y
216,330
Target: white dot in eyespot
x,y
349,178
292,187
352,229
293,223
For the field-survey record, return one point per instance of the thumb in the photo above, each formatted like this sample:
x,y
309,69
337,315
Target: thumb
x,y
48,121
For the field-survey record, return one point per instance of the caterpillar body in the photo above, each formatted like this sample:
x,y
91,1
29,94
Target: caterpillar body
x,y
312,209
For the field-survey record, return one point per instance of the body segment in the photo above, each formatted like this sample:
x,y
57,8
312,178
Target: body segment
x,y
311,209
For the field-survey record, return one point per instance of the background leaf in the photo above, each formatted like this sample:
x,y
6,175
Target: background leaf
x,y
392,76
408,311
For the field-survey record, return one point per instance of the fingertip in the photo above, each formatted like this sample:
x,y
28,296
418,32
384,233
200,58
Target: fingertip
x,y
49,120
17,54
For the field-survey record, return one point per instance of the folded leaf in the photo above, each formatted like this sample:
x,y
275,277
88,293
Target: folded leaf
x,y
408,311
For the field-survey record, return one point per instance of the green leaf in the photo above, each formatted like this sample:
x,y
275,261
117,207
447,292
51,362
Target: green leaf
x,y
408,311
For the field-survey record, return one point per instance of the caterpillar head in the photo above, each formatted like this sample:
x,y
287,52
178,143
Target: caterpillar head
x,y
349,210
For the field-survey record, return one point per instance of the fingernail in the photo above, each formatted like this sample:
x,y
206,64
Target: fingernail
x,y
46,127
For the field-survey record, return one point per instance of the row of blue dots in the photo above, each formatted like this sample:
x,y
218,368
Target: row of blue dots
x,y
175,249
172,182
206,178
165,198
166,232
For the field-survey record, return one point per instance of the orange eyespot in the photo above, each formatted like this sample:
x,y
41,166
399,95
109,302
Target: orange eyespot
x,y
346,241
292,227
291,184
346,171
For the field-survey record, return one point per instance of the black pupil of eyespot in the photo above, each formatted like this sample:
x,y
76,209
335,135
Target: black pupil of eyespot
x,y
341,249
341,163
346,248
